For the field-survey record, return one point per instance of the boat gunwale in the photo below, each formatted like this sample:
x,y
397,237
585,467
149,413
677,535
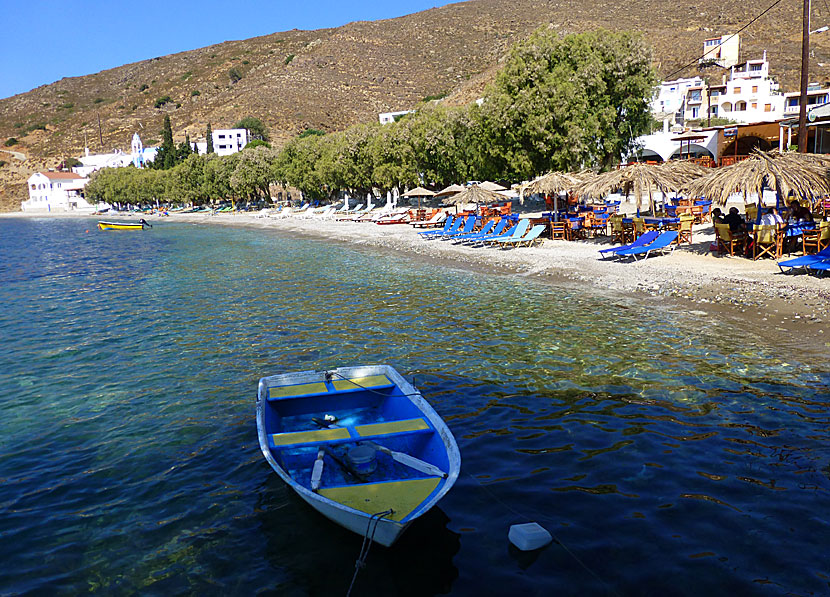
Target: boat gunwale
x,y
414,395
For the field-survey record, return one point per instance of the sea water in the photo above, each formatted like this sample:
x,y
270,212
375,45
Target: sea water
x,y
665,455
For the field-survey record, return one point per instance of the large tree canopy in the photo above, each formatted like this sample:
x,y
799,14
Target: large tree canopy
x,y
565,103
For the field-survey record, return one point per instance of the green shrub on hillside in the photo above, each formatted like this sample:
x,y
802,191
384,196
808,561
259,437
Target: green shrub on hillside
x,y
165,99
144,87
11,141
289,58
234,75
195,92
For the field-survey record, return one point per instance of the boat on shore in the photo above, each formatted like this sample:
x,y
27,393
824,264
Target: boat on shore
x,y
102,225
358,444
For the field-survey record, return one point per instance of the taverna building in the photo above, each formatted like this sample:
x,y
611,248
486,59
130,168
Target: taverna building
x,y
56,192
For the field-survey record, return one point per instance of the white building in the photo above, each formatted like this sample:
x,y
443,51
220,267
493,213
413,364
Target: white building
x,y
816,96
225,141
387,117
138,157
725,51
670,99
751,95
56,192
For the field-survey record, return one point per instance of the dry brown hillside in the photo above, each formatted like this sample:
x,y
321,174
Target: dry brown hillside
x,y
331,78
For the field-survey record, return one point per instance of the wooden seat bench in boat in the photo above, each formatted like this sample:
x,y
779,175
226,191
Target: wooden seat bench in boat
x,y
402,497
320,388
335,435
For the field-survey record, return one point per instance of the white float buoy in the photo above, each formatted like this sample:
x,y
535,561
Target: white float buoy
x,y
529,536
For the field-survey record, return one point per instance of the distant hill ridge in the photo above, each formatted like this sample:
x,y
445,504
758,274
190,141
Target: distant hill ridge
x,y
329,79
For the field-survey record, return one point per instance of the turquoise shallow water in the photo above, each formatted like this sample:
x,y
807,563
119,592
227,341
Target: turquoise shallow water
x,y
665,458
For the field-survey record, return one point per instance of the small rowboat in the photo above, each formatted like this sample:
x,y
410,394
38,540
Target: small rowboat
x,y
102,225
358,444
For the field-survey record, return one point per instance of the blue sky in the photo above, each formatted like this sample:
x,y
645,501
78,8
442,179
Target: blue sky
x,y
45,41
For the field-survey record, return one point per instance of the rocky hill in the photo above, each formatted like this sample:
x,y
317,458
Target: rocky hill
x,y
331,78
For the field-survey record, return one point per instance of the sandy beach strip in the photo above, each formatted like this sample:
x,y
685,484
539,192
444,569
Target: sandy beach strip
x,y
792,310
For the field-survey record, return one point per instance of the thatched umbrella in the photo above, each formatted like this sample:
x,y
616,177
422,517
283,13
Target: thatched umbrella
x,y
491,186
475,194
805,175
640,178
551,183
453,189
419,192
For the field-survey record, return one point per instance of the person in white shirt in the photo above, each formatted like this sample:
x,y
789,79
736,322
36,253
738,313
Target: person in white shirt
x,y
771,218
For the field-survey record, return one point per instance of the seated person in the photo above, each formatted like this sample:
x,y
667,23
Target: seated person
x,y
734,219
771,218
717,216
799,213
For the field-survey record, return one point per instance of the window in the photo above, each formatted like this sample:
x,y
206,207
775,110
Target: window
x,y
740,106
714,110
767,107
754,89
727,107
221,136
754,105
714,93
695,95
755,67
737,91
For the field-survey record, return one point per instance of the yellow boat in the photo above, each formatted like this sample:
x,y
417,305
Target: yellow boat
x,y
123,225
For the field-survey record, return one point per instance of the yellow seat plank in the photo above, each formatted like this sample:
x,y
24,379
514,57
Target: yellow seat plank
x,y
297,390
391,427
307,437
361,382
401,496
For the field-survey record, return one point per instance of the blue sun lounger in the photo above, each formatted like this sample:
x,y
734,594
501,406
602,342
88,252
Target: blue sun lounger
x,y
488,228
643,239
469,224
518,231
527,240
807,261
496,230
665,241
483,239
436,233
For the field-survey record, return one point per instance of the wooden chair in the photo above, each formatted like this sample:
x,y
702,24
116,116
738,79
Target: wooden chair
x,y
751,211
639,227
813,241
619,233
684,229
558,230
728,241
766,240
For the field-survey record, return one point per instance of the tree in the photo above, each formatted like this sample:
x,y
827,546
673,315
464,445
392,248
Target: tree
x,y
167,153
567,103
254,126
209,137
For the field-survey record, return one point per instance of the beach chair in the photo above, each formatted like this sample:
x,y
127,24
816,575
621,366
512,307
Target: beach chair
x,y
728,241
643,240
469,224
484,239
496,230
559,230
516,232
805,261
436,220
684,229
766,241
817,239
488,228
664,242
527,240
448,225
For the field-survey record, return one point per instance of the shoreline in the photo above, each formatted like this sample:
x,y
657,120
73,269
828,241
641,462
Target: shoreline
x,y
788,310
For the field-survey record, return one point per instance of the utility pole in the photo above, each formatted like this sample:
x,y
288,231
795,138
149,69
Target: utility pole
x,y
805,63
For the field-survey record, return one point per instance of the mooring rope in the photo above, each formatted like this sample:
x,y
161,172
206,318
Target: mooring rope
x,y
368,539
552,534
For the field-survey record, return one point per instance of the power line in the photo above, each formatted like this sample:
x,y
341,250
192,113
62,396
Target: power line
x,y
685,66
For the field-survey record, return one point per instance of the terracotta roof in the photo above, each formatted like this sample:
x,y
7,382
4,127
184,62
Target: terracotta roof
x,y
61,175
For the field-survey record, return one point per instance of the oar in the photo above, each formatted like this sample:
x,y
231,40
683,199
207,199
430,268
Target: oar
x,y
410,461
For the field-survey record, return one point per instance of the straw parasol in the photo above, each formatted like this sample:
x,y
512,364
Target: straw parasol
x,y
419,192
640,178
475,194
552,182
805,175
491,186
453,189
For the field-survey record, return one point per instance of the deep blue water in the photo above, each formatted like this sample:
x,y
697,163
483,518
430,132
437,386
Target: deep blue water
x,y
668,456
